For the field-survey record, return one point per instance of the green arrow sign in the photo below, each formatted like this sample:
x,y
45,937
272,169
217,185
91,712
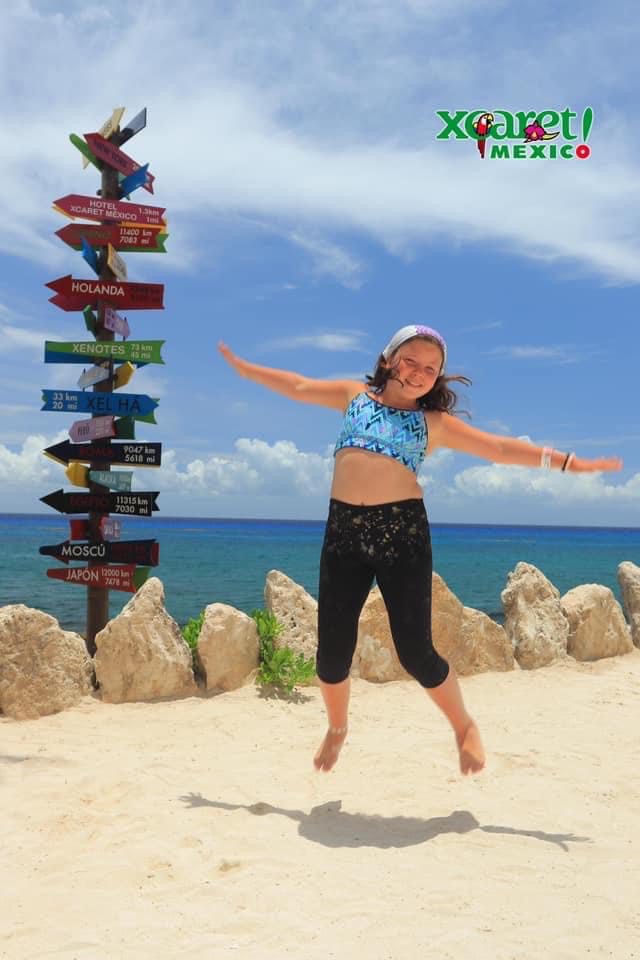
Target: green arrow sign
x,y
84,351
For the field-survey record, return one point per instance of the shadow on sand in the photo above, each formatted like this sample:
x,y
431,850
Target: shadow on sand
x,y
329,825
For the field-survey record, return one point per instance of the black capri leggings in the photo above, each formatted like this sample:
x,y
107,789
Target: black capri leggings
x,y
391,542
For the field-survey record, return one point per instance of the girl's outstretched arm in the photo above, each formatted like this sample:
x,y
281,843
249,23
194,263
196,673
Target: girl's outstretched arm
x,y
446,430
326,393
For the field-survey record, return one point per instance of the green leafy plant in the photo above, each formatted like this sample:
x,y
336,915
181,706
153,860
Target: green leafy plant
x,y
279,666
191,631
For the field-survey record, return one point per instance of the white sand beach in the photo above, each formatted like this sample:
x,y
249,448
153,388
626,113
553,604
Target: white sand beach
x,y
199,828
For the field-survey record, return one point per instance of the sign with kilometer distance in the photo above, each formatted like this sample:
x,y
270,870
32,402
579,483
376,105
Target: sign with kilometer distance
x,y
128,578
83,351
136,405
118,454
134,504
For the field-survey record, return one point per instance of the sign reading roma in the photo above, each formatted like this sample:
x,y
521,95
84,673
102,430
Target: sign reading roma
x,y
75,294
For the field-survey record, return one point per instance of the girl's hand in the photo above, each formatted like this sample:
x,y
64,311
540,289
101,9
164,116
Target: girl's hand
x,y
229,356
580,465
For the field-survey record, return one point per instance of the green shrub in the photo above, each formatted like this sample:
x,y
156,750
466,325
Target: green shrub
x,y
279,667
191,631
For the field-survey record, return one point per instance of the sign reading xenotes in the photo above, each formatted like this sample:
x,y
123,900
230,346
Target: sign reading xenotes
x,y
532,130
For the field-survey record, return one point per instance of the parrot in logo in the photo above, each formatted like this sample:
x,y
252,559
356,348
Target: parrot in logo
x,y
482,126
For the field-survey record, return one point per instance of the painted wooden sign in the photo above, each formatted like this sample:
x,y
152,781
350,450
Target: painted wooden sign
x,y
113,479
115,263
88,156
133,504
80,351
108,127
90,255
127,239
136,179
127,578
96,208
142,552
81,476
93,375
90,320
117,324
120,454
123,375
76,294
94,429
116,158
132,127
110,529
136,405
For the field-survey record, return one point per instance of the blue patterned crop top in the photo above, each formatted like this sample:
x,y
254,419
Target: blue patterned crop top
x,y
371,425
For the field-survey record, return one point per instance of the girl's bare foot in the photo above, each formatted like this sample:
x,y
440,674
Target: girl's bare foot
x,y
329,750
471,750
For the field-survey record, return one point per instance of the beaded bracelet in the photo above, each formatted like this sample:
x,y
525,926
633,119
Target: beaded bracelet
x,y
545,457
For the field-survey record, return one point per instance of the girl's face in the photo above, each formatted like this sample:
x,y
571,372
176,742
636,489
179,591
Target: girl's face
x,y
417,363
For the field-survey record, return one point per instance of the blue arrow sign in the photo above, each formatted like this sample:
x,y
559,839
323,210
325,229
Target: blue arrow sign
x,y
136,179
90,255
138,406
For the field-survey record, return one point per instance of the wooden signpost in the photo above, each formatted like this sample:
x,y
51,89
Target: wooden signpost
x,y
116,226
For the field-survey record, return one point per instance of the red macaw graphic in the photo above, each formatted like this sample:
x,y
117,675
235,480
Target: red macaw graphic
x,y
482,126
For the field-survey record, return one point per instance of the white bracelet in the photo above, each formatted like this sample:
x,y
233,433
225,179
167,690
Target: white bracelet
x,y
545,457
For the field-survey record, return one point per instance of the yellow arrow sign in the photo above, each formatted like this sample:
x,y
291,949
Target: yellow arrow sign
x,y
108,127
123,374
78,474
116,263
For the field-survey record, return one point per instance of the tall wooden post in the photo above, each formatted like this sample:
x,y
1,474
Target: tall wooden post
x,y
98,597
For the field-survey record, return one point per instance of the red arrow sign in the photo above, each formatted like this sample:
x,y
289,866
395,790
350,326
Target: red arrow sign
x,y
127,578
110,529
74,294
118,211
120,235
116,158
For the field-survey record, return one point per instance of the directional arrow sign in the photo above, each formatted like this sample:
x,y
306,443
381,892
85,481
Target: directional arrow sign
x,y
110,529
96,208
117,324
134,504
81,351
86,151
90,255
132,127
116,264
94,429
90,320
124,237
135,405
93,375
136,179
145,552
113,479
123,375
127,578
120,454
80,293
107,128
116,158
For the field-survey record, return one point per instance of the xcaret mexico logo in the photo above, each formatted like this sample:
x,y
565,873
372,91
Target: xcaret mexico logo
x,y
524,135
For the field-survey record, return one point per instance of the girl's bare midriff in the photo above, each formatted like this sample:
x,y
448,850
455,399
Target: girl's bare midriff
x,y
366,478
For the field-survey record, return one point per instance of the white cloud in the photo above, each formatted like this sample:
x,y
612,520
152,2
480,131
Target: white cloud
x,y
331,260
332,340
498,480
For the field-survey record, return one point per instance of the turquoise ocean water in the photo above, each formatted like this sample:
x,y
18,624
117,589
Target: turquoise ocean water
x,y
207,560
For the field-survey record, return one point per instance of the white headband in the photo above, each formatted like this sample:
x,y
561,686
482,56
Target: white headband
x,y
408,333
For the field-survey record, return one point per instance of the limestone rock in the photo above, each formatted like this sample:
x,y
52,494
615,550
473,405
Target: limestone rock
x,y
597,627
534,620
43,669
228,647
629,580
470,640
141,654
375,658
296,610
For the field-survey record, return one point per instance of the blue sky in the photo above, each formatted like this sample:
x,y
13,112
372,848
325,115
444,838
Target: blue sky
x,y
312,212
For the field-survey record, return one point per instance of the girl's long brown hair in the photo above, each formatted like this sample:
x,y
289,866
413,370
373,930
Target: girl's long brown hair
x,y
440,397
